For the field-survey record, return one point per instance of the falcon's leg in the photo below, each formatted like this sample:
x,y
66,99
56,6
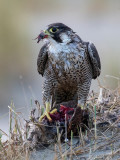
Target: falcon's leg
x,y
48,89
47,111
83,91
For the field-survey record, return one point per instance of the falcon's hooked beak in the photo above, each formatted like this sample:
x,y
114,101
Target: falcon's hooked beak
x,y
42,35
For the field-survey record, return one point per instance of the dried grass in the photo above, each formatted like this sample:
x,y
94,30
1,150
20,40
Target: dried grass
x,y
15,147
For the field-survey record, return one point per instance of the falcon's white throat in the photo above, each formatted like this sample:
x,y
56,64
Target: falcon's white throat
x,y
65,38
56,47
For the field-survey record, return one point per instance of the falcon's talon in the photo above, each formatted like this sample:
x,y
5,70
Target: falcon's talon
x,y
47,115
40,119
53,111
81,106
47,111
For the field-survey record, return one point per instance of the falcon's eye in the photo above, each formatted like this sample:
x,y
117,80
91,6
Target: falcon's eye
x,y
53,29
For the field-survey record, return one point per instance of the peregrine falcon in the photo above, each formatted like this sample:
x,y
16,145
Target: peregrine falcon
x,y
67,63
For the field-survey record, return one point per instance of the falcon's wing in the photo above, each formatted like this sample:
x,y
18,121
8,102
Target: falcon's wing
x,y
94,59
42,59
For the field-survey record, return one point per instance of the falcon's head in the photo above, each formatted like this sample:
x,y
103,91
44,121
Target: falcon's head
x,y
56,32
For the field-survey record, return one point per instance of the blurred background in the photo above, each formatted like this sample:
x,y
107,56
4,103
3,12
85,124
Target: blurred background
x,y
97,21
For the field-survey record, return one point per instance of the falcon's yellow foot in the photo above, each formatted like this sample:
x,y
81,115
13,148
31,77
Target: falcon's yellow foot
x,y
82,106
47,111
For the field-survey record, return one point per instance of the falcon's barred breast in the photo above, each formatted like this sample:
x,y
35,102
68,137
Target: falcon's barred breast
x,y
67,63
